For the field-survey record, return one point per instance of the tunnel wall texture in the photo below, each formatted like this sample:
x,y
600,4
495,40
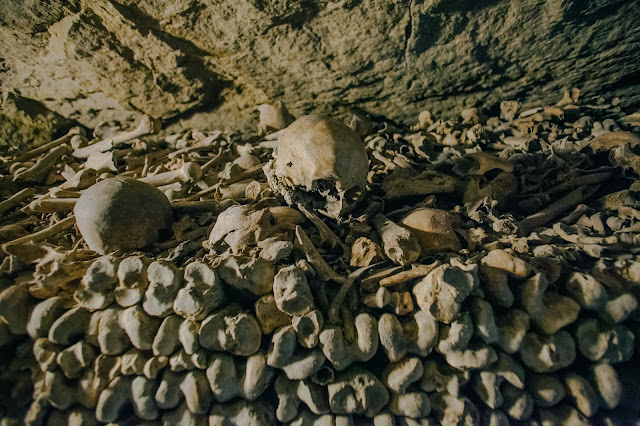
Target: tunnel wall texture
x,y
208,64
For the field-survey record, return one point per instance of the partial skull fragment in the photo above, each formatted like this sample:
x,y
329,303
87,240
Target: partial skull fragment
x,y
122,214
322,164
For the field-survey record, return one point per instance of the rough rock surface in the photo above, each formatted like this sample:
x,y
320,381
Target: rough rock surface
x,y
201,62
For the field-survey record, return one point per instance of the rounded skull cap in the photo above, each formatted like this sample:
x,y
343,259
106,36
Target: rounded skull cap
x,y
122,214
314,148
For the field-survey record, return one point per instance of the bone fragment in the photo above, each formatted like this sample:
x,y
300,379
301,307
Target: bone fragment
x,y
39,171
16,199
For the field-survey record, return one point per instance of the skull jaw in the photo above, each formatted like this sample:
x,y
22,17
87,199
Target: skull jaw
x,y
324,196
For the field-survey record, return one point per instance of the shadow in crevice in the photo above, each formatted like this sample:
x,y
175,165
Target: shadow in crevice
x,y
191,63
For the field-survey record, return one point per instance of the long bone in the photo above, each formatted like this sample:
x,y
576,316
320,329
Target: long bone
x,y
39,171
148,125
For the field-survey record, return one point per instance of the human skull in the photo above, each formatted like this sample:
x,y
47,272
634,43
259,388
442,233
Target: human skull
x,y
122,214
320,163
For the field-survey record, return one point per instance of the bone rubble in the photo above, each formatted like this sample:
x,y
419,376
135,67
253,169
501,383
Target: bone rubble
x,y
477,270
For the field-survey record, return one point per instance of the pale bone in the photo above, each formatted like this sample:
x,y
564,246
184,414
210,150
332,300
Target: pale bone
x,y
114,215
256,413
456,335
275,249
70,326
203,292
166,396
607,384
38,172
230,378
416,336
196,390
250,173
140,327
416,271
182,416
618,309
46,353
283,354
292,392
512,327
188,336
16,199
241,226
424,184
518,404
555,209
400,303
499,188
165,280
96,288
292,293
484,323
230,329
306,417
582,393
398,243
43,315
545,389
480,163
545,354
587,291
400,375
449,409
189,172
336,303
308,328
112,338
147,125
132,280
247,273
433,229
327,236
181,360
441,377
51,231
605,343
495,268
321,267
16,305
166,340
75,359
114,399
443,290
486,385
357,391
410,405
357,340
273,117
551,311
319,161
142,396
268,315
364,252
53,205
47,147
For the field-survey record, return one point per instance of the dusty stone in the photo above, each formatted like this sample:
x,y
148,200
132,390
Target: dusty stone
x,y
263,44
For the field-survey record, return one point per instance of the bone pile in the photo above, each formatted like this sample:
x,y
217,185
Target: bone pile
x,y
488,273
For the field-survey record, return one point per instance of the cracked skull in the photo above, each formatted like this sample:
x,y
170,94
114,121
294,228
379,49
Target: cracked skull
x,y
322,164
